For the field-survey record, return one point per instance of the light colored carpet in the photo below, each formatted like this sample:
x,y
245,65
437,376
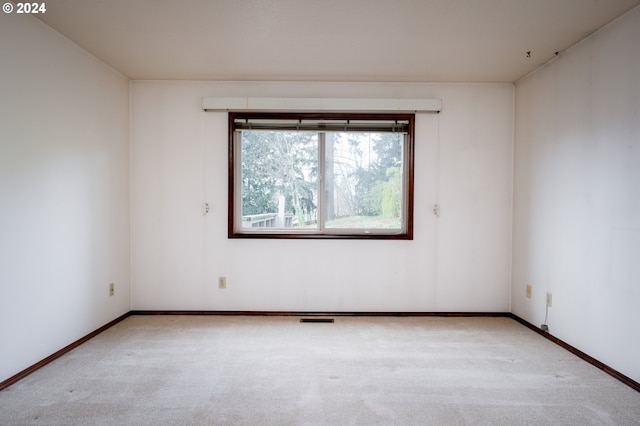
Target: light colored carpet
x,y
235,370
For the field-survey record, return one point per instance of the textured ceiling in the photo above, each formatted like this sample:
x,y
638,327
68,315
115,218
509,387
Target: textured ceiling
x,y
329,40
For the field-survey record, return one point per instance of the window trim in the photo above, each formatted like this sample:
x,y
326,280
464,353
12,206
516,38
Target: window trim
x,y
234,231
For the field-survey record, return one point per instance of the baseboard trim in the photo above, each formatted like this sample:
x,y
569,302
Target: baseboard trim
x,y
577,352
24,373
602,366
327,313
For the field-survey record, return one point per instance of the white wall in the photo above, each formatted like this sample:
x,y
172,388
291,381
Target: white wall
x,y
459,262
577,195
64,193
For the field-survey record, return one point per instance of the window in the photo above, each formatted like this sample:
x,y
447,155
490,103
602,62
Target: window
x,y
323,175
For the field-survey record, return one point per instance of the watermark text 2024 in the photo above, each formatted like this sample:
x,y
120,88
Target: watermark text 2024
x,y
24,8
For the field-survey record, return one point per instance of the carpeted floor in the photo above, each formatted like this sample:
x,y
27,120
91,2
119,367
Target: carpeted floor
x,y
235,370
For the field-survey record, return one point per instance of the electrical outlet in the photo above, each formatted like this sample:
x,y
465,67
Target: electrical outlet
x,y
222,282
528,291
549,299
112,289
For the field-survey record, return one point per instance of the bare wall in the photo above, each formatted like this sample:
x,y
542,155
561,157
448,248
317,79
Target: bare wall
x,y
64,193
457,262
577,195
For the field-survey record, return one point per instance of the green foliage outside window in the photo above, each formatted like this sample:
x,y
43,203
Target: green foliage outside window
x,y
364,174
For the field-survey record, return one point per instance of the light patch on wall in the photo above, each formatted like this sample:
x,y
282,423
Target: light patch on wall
x,y
473,165
625,268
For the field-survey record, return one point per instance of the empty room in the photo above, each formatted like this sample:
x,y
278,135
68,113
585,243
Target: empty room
x,y
290,212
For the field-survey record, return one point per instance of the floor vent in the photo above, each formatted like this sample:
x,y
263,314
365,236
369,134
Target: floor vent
x,y
322,320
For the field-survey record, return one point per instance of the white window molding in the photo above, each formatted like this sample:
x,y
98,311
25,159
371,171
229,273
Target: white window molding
x,y
322,104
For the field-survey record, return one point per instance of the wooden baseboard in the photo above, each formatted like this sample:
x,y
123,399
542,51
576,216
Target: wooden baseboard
x,y
13,379
612,372
327,313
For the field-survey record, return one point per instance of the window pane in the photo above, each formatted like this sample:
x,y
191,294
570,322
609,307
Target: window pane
x,y
279,179
364,180
321,175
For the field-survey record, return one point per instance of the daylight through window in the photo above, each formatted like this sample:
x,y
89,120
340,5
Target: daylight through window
x,y
321,175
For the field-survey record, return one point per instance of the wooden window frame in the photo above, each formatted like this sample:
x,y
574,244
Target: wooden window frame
x,y
234,231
